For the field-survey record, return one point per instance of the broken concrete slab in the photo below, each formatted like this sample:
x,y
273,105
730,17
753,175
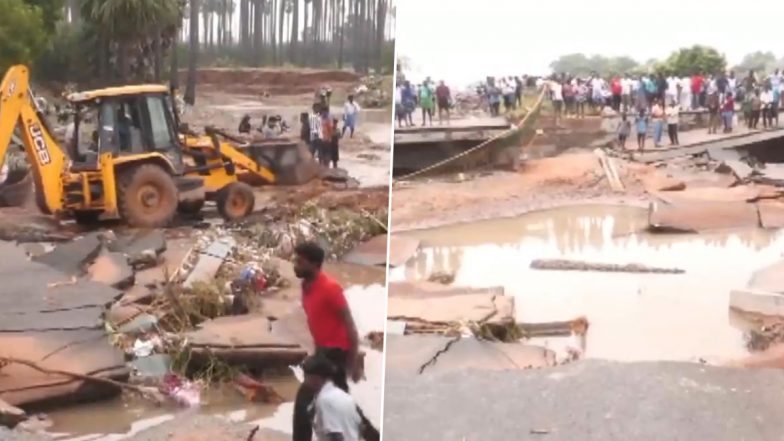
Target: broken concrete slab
x,y
139,247
431,289
374,251
245,339
471,353
371,253
85,352
739,168
10,415
702,216
112,269
33,292
408,355
210,261
441,311
79,318
757,301
120,313
771,213
740,193
73,257
770,279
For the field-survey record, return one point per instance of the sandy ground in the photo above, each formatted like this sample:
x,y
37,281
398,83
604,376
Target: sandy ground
x,y
540,183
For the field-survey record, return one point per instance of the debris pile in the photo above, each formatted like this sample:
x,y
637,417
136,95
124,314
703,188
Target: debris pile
x,y
372,93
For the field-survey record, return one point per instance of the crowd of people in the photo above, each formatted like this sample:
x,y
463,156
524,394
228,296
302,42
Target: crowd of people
x,y
657,100
428,97
321,131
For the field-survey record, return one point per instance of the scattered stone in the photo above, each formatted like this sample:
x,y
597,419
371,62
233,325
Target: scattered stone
x,y
442,277
376,340
334,175
574,265
10,415
657,181
112,269
140,324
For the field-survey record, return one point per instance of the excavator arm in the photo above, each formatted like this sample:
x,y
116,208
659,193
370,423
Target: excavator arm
x,y
47,160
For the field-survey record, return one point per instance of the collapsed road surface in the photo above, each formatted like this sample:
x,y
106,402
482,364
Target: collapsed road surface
x,y
654,349
143,307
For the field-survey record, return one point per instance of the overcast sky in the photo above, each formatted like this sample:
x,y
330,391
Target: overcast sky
x,y
465,40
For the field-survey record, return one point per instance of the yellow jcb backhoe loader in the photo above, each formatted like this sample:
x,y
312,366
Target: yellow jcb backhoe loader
x,y
128,166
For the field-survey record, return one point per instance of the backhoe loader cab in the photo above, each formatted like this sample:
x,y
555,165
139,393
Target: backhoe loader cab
x,y
122,158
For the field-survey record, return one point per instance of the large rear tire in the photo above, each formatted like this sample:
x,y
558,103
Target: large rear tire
x,y
235,201
147,196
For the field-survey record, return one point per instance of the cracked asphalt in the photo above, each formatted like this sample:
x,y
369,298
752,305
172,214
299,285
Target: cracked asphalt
x,y
588,400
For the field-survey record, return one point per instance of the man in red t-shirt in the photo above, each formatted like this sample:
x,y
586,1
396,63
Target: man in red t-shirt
x,y
697,92
332,327
443,98
617,90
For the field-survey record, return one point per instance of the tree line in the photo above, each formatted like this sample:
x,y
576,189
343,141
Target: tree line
x,y
119,41
683,62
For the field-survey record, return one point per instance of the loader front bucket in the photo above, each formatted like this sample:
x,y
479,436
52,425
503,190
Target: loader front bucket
x,y
290,161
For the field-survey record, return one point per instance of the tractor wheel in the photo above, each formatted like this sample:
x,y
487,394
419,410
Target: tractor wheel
x,y
235,201
190,207
147,196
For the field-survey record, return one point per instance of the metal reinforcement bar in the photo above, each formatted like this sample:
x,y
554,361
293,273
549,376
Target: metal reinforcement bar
x,y
528,119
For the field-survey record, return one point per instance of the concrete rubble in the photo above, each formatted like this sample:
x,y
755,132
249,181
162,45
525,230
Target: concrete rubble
x,y
126,307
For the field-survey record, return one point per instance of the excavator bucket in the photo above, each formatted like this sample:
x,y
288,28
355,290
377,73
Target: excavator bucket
x,y
290,161
16,181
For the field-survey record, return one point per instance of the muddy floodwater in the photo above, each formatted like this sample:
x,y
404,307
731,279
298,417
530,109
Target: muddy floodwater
x,y
125,416
632,316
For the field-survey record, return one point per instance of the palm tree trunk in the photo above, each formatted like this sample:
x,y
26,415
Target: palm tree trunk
x,y
244,27
293,54
281,22
158,56
193,54
258,32
305,34
342,31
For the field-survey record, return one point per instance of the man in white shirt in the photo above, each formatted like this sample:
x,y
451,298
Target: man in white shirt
x,y
335,412
672,89
626,93
350,111
556,94
315,129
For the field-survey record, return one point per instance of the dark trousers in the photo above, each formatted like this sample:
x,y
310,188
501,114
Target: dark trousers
x,y
303,418
754,119
672,130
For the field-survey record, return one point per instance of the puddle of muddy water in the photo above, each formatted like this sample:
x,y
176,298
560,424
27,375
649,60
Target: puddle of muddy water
x,y
124,417
632,316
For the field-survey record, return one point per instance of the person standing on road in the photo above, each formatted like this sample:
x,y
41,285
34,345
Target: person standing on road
x,y
426,102
728,112
350,112
624,129
673,112
314,122
756,109
641,124
616,88
409,102
580,98
767,106
335,411
332,327
657,115
325,143
713,104
444,98
556,90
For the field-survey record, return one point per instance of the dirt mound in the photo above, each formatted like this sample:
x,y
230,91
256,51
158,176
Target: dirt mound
x,y
274,81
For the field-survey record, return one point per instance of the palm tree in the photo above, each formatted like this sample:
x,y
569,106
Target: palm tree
x,y
130,23
293,54
193,54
